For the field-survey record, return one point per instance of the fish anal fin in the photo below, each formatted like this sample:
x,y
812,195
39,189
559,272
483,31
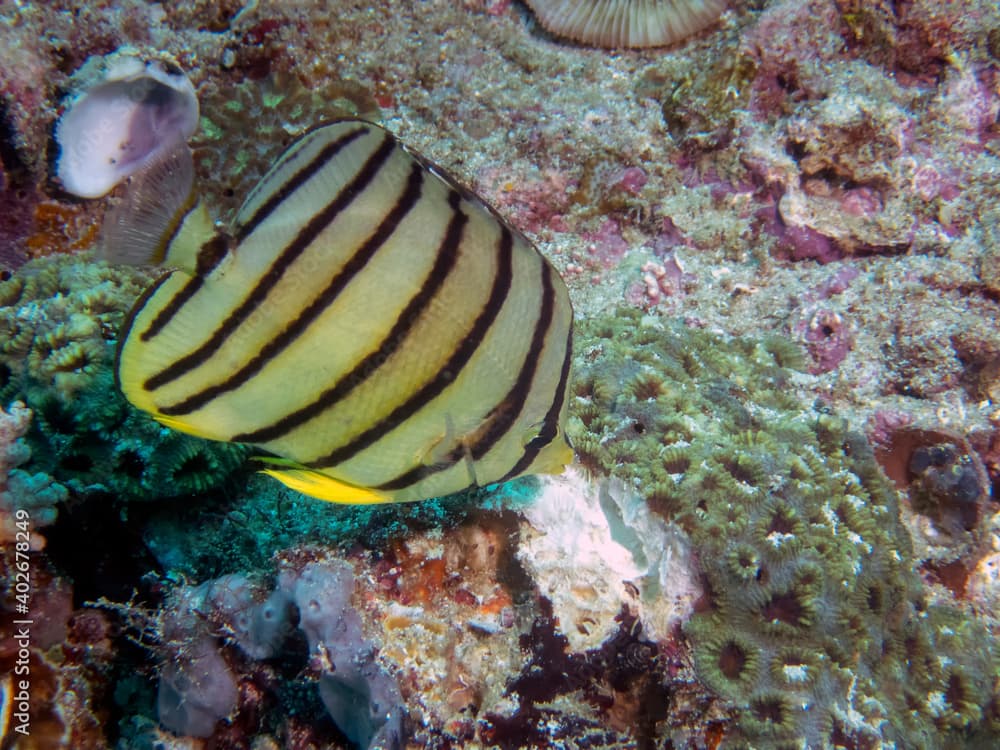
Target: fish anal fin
x,y
321,486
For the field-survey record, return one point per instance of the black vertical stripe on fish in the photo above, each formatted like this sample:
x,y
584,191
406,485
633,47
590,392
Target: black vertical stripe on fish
x,y
507,411
447,257
550,425
447,374
270,279
326,154
296,328
209,256
126,330
503,416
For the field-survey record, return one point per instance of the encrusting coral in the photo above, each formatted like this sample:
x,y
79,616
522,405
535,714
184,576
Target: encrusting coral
x,y
813,605
60,318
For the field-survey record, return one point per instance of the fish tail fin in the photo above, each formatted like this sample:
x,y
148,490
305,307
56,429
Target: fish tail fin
x,y
315,484
159,219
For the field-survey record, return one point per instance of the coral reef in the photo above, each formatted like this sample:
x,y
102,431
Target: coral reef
x,y
67,657
60,317
812,603
196,687
278,108
35,494
593,550
13,452
822,169
948,499
431,630
363,700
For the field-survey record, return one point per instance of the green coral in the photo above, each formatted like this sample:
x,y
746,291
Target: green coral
x,y
815,627
59,319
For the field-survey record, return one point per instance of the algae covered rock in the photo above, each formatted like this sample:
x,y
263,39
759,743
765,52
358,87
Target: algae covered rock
x,y
59,321
814,626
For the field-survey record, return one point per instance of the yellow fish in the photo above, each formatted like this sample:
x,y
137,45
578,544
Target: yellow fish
x,y
377,329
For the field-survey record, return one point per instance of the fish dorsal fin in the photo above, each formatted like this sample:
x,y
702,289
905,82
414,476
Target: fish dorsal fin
x,y
159,218
322,486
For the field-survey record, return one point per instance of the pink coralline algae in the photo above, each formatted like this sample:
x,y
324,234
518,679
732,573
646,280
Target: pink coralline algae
x,y
797,242
931,180
860,162
533,205
884,423
789,35
631,180
837,283
606,245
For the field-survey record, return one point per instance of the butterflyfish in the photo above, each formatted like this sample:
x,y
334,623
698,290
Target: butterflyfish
x,y
375,328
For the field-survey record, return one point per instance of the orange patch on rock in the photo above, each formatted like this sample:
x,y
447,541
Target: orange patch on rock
x,y
60,228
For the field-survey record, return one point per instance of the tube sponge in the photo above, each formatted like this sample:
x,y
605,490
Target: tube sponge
x,y
362,699
196,690
258,627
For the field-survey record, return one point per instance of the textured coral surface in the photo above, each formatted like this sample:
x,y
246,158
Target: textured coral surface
x,y
812,601
782,241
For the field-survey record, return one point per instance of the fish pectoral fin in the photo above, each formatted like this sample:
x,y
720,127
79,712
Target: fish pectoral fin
x,y
448,447
321,486
437,448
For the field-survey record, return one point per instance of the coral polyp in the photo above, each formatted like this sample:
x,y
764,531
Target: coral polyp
x,y
809,570
63,316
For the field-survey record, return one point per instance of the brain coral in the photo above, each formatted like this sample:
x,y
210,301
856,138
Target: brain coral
x,y
815,627
59,318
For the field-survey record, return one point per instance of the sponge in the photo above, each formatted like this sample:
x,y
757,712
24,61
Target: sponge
x,y
360,696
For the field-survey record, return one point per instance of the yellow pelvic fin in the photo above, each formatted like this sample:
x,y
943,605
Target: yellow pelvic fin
x,y
181,426
315,484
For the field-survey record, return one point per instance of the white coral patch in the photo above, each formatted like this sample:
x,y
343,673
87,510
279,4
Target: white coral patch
x,y
592,548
